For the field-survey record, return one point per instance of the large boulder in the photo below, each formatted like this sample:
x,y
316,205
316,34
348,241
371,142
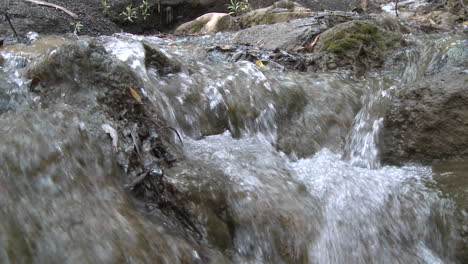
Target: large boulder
x,y
208,23
280,11
428,120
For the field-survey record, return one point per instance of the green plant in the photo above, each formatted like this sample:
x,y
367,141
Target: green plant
x,y
238,7
105,7
77,27
129,13
145,9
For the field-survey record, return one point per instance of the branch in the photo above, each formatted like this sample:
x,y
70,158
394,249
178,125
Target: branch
x,y
70,13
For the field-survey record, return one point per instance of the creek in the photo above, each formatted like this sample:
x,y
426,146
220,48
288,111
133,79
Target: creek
x,y
275,166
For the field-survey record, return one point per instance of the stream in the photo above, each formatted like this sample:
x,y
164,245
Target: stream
x,y
273,166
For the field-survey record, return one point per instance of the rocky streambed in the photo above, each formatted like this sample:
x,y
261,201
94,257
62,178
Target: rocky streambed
x,y
337,137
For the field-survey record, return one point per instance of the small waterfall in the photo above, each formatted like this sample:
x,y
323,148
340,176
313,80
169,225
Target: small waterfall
x,y
363,139
276,167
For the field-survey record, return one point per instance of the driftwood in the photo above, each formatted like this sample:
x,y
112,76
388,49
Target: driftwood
x,y
70,13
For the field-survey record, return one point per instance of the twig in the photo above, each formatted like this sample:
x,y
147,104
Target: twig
x,y
70,13
177,133
308,47
11,25
396,8
165,127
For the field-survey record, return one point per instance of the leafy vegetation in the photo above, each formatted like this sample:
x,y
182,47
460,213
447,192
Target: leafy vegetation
x,y
77,27
142,12
238,7
129,13
145,9
106,7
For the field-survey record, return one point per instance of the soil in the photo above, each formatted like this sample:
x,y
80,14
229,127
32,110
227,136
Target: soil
x,y
26,17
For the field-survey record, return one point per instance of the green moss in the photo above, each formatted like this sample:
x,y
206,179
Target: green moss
x,y
197,26
352,37
284,4
269,19
342,45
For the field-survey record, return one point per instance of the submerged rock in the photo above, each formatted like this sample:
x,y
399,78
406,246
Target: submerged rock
x,y
428,120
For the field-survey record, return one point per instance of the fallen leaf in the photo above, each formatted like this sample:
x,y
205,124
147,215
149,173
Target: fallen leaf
x,y
432,21
113,134
259,63
135,95
312,45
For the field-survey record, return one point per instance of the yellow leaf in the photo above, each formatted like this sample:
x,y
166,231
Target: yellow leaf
x,y
432,21
135,95
259,63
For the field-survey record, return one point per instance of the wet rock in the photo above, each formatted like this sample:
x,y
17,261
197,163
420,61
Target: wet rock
x,y
4,101
280,11
291,34
428,120
446,18
69,188
42,45
208,23
85,76
280,36
81,67
156,59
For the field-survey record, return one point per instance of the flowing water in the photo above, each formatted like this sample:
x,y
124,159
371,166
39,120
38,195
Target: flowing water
x,y
276,167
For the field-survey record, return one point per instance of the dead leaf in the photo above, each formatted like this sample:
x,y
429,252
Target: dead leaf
x,y
308,47
432,21
226,48
259,63
312,45
135,95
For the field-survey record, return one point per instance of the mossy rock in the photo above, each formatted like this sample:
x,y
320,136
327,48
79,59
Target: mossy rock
x,y
285,4
351,36
280,11
359,44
